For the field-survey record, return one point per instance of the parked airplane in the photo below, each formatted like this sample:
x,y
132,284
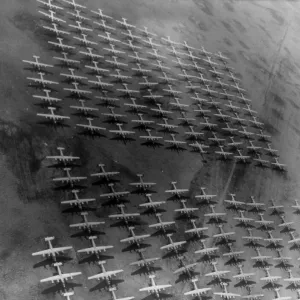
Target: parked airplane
x,y
242,158
269,277
151,140
226,95
278,166
271,151
102,25
232,108
77,201
52,16
220,56
131,36
113,50
115,118
249,110
108,38
144,125
124,23
198,292
208,125
186,210
216,140
74,4
210,62
122,215
186,270
76,91
150,203
142,186
228,129
100,14
77,15
145,32
174,51
114,194
72,76
162,226
177,194
197,231
99,83
147,83
234,203
237,87
108,101
114,297
104,176
263,137
154,288
150,42
52,251
215,73
215,273
225,294
84,41
224,154
135,108
152,96
174,93
52,116
85,224
42,81
46,98
70,180
90,128
132,46
80,28
60,45
137,58
60,277
140,70
175,144
191,56
128,92
166,127
67,61
104,274
55,29
160,66
255,123
205,198
63,159
84,110
234,144
92,56
239,120
244,100
199,70
37,64
172,245
144,262
120,77
133,238
50,5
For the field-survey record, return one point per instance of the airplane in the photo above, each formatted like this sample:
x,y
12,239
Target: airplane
x,y
291,278
104,274
160,66
172,245
224,236
162,225
99,83
151,139
150,203
52,251
186,121
116,119
134,239
208,91
155,288
196,291
71,180
52,116
175,52
68,295
249,110
108,38
197,231
144,124
161,113
179,62
226,95
213,104
104,176
113,194
221,116
146,32
220,56
83,109
140,70
142,185
263,137
278,297
49,100
68,62
224,154
89,53
55,30
136,108
49,5
76,91
186,270
277,208
137,58
151,43
199,70
228,129
186,210
122,134
233,78
127,91
84,41
168,128
177,194
169,41
72,76
261,162
210,62
238,120
208,125
152,96
215,73
100,14
60,277
130,35
256,123
59,44
253,296
174,93
192,87
278,166
192,56
63,159
41,81
241,275
215,273
254,149
234,144
268,277
119,76
113,50
78,15
220,83
104,26
80,28
264,223
199,100
131,46
167,79
74,4
241,158
37,64
206,250
147,83
242,97
178,105
216,140
51,16
293,239
95,67
144,262
114,297
124,216
225,294
237,87
256,206
107,101
90,128
85,224
270,151
77,201
297,205
124,23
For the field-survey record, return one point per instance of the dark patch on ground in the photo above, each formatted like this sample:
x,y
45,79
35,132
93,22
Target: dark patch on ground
x,y
244,45
279,101
202,26
205,6
240,26
294,104
275,14
229,7
227,26
266,32
227,42
270,128
278,114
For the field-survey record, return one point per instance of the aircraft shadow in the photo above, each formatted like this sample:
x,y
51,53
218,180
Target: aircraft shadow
x,y
46,105
93,259
104,285
86,233
161,296
123,224
92,135
53,125
67,187
77,210
151,144
184,277
64,165
234,261
219,281
59,288
48,262
135,247
196,239
174,254
114,202
34,69
160,232
105,181
185,217
271,286
208,258
146,270
244,283
143,128
177,198
85,115
141,191
123,140
153,211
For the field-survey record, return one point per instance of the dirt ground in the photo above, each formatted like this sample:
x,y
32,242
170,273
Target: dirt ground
x,y
261,40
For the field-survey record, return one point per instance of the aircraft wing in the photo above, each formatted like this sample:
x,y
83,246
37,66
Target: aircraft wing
x,y
82,225
94,249
64,157
155,288
69,178
177,191
114,194
149,204
173,245
52,116
78,201
162,224
124,215
105,275
135,238
61,277
227,295
139,184
197,292
53,250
